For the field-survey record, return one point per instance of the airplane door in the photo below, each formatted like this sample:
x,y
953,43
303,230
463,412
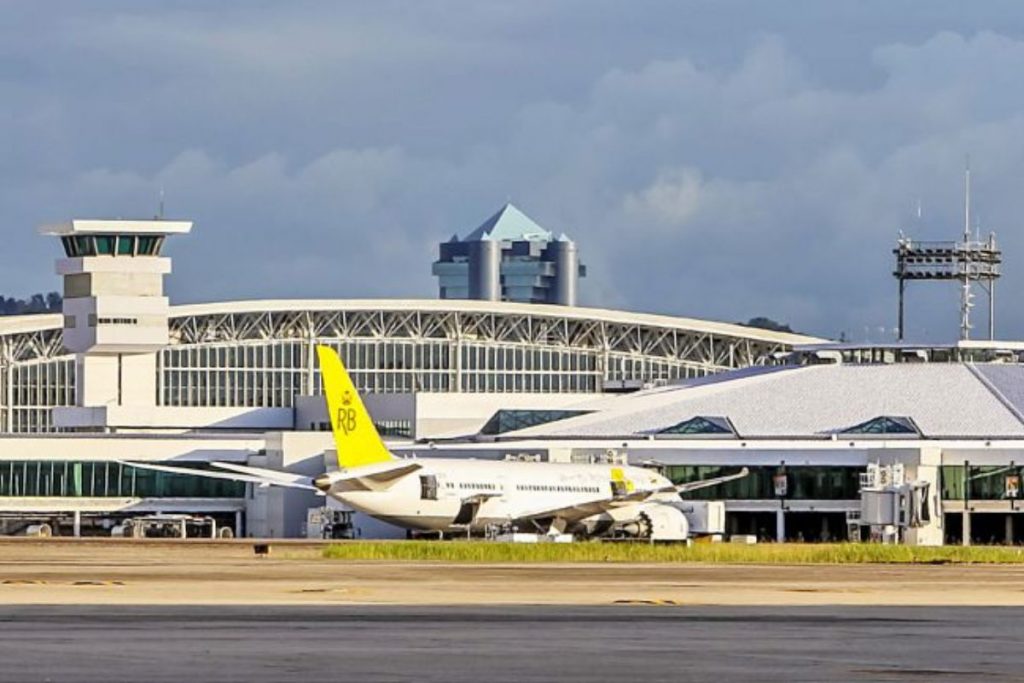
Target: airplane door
x,y
621,486
428,487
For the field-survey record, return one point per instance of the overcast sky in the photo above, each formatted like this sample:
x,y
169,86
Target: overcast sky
x,y
712,159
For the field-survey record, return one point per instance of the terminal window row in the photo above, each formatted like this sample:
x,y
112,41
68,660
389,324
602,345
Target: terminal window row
x,y
801,483
91,479
985,482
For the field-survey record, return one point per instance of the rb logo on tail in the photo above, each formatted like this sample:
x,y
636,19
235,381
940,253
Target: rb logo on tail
x,y
355,437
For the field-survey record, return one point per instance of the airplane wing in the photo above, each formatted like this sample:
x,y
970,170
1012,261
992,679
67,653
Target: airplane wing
x,y
705,483
372,476
577,511
588,508
381,471
252,475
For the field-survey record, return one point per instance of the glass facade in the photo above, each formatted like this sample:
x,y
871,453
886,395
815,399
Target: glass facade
x,y
29,391
271,373
256,375
256,359
63,478
802,483
995,482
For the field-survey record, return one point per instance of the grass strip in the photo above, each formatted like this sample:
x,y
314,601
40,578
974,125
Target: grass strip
x,y
713,553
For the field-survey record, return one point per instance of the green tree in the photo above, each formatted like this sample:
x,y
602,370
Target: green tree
x,y
37,303
767,324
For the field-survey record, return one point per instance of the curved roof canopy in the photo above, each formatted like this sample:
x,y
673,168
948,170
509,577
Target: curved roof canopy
x,y
30,323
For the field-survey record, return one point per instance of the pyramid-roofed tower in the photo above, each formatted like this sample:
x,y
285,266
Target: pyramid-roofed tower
x,y
510,257
508,224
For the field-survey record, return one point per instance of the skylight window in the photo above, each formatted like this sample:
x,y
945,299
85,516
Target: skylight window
x,y
512,420
701,426
885,425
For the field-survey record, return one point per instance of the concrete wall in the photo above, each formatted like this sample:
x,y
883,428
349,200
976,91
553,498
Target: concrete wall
x,y
285,509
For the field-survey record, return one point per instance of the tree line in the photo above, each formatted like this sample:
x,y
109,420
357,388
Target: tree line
x,y
764,323
37,303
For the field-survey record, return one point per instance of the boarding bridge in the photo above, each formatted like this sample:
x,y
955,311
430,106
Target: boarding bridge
x,y
892,505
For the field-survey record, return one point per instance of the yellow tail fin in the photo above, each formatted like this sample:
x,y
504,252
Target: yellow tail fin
x,y
355,437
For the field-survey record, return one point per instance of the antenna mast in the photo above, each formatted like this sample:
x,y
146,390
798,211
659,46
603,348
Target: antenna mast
x,y
966,298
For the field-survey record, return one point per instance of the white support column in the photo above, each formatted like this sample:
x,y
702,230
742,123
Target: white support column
x,y
78,523
7,363
455,363
967,526
238,523
9,394
310,364
780,524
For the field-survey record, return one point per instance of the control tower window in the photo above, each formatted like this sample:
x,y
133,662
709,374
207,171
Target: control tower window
x,y
84,245
105,245
113,245
149,245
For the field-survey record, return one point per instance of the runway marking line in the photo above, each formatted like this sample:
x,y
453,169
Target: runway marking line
x,y
97,583
40,582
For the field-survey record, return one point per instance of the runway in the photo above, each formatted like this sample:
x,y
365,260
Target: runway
x,y
507,643
175,573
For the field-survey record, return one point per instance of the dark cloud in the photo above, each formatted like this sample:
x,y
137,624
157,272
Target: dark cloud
x,y
716,159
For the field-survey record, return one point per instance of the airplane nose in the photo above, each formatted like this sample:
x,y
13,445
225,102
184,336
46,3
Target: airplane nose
x,y
323,482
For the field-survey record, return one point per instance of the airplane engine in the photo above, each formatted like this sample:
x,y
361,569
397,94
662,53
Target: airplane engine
x,y
657,522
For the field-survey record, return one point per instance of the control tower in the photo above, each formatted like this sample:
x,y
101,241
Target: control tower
x,y
115,312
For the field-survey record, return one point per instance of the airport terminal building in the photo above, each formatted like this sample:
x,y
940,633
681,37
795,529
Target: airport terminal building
x,y
124,376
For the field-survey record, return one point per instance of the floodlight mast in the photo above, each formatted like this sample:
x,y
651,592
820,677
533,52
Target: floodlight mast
x,y
966,299
967,262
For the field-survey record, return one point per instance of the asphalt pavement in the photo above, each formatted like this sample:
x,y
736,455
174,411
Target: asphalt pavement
x,y
523,643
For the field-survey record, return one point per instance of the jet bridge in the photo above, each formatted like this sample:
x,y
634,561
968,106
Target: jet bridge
x,y
891,505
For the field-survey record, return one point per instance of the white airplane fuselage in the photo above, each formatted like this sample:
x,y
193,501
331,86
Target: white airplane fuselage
x,y
455,494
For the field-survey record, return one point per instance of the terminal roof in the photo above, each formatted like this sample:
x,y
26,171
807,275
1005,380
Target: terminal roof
x,y
940,400
27,323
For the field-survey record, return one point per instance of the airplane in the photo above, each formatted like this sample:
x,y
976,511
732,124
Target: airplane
x,y
452,495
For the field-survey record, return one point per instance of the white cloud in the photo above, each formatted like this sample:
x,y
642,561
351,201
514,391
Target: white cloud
x,y
671,201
